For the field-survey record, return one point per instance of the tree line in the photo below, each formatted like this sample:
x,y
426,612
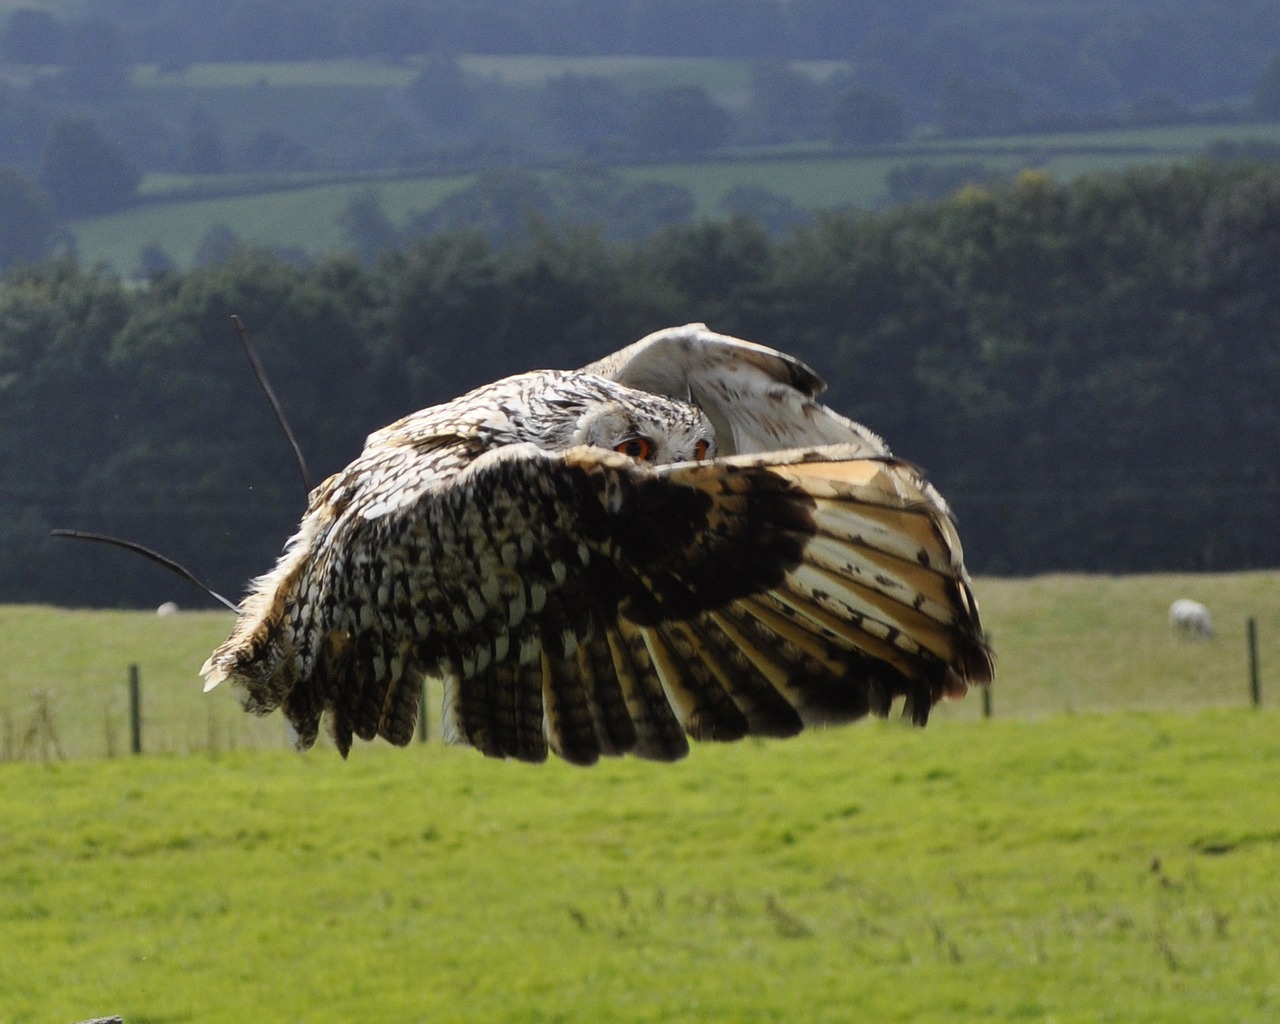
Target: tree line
x,y
1089,371
1091,52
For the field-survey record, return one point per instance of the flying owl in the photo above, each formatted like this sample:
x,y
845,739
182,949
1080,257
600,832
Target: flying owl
x,y
676,541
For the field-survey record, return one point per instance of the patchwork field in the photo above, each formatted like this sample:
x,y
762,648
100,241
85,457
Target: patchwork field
x,y
305,218
723,78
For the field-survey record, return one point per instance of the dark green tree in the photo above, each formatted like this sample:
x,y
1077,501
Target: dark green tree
x,y
923,179
217,245
96,67
270,149
499,203
365,225
718,271
619,208
31,224
85,172
444,97
24,126
58,417
209,477
776,212
32,35
589,112
681,121
154,261
972,107
1266,92
201,150
864,117
785,104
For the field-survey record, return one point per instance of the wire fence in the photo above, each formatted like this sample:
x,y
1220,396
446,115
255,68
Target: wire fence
x,y
134,717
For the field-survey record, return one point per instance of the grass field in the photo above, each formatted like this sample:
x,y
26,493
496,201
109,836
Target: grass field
x,y
1077,869
305,218
723,78
1065,645
1065,861
302,218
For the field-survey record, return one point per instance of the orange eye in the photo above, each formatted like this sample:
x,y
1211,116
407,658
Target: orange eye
x,y
700,450
637,448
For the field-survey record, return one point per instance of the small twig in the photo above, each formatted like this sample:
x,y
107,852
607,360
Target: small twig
x,y
154,556
256,364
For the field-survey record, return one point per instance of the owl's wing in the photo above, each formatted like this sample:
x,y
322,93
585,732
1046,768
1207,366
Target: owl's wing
x,y
587,604
758,399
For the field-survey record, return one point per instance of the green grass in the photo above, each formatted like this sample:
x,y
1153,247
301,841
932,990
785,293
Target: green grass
x,y
1077,643
1054,863
303,218
811,182
723,78
1080,869
1169,140
77,664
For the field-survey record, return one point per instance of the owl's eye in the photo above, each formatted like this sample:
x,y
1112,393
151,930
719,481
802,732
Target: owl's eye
x,y
700,450
637,448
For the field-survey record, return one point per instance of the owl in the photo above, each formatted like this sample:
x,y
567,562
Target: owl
x,y
677,541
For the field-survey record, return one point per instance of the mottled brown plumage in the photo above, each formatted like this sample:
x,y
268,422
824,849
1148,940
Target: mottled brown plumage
x,y
589,572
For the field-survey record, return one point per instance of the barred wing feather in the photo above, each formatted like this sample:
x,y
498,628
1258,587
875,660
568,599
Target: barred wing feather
x,y
752,595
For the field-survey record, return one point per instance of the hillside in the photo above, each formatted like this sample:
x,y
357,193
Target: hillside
x,y
310,219
92,104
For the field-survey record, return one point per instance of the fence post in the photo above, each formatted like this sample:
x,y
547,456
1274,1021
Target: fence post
x,y
135,710
986,702
422,713
1255,683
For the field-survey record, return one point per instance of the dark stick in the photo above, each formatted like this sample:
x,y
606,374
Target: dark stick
x,y
146,552
261,374
1255,681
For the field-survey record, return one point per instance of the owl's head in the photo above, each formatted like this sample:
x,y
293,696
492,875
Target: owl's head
x,y
603,414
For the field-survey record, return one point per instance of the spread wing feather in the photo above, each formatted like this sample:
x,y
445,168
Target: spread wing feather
x,y
659,735
758,399
586,604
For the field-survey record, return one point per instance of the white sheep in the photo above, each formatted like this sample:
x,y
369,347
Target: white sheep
x,y
1190,619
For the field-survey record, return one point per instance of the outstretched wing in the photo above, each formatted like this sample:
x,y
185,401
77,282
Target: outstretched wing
x,y
584,603
758,399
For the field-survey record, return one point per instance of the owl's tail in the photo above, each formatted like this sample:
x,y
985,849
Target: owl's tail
x,y
263,658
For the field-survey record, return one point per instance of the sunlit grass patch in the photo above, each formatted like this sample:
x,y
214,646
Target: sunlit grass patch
x,y
1110,868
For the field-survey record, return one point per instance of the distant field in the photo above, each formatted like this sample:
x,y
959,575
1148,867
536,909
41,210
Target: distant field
x,y
724,78
1084,870
304,218
353,98
1064,644
371,74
